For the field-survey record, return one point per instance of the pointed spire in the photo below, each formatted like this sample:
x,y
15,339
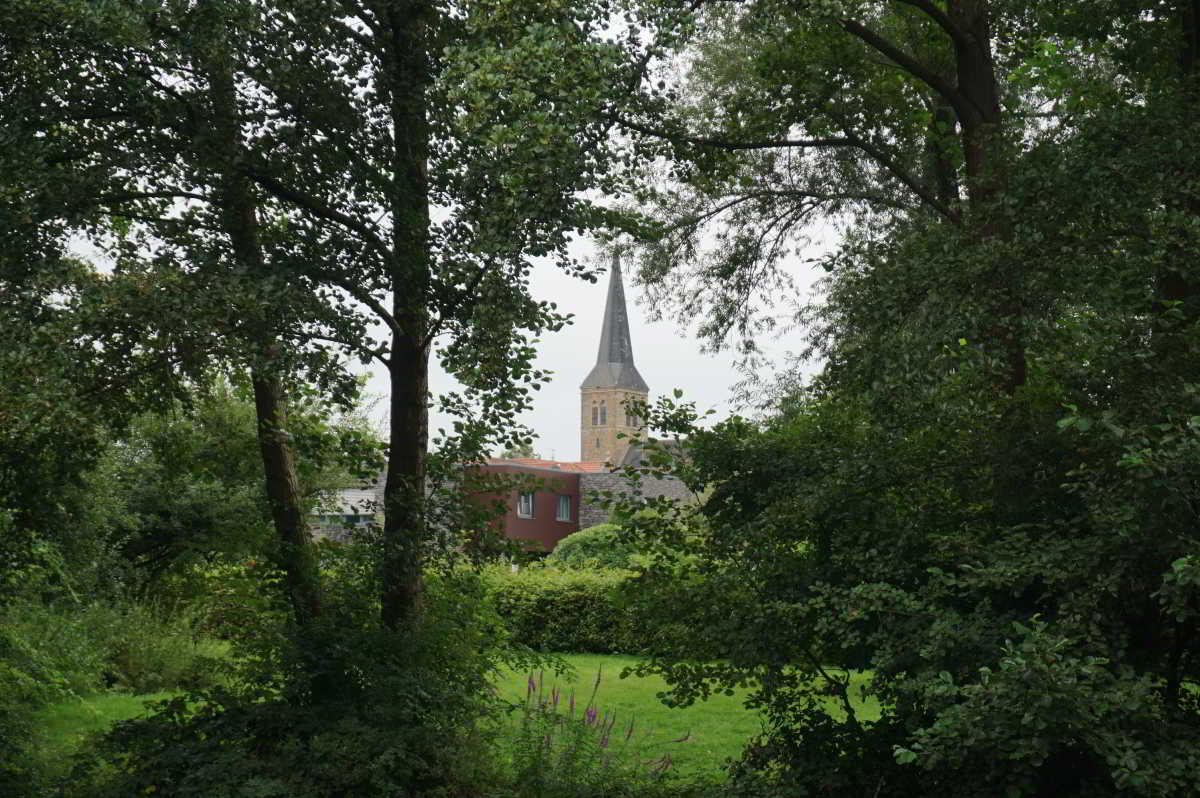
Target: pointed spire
x,y
614,362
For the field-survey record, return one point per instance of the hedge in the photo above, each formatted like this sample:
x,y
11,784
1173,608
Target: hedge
x,y
567,610
599,546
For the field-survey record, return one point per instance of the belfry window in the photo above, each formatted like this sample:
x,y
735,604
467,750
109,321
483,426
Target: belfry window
x,y
595,415
603,414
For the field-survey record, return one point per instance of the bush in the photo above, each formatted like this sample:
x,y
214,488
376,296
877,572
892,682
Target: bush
x,y
146,648
45,655
569,611
347,708
51,652
598,546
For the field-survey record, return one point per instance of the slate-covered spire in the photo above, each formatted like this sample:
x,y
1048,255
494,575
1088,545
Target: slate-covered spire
x,y
614,363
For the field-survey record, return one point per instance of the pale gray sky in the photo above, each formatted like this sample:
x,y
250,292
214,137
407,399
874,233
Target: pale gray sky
x,y
667,356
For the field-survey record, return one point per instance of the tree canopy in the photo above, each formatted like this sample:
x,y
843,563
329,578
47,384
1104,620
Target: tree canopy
x,y
987,497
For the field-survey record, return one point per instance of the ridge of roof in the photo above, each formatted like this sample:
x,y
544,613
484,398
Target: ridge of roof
x,y
554,465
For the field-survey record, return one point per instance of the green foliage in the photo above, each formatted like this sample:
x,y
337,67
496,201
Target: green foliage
x,y
188,481
572,611
598,546
64,728
1005,654
987,495
386,713
63,651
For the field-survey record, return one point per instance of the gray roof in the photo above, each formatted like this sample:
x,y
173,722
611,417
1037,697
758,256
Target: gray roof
x,y
635,455
614,362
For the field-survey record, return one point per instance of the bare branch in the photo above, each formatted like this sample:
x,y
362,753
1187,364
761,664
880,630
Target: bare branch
x,y
140,195
731,144
907,179
957,34
910,65
311,204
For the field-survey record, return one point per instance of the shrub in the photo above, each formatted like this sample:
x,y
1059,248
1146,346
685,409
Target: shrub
x,y
147,648
348,708
45,655
571,611
598,546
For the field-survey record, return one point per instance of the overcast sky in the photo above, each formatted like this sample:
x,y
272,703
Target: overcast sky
x,y
667,356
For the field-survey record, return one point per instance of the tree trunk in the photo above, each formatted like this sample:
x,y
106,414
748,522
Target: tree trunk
x,y
239,216
296,556
986,159
1176,283
406,69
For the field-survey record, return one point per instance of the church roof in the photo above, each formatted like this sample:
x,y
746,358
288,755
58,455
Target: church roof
x,y
614,362
553,465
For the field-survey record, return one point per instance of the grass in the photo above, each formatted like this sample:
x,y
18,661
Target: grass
x,y
717,729
63,727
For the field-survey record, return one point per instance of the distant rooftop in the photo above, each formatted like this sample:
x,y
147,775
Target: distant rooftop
x,y
554,465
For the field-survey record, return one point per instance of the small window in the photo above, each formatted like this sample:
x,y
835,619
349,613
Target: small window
x,y
564,509
525,504
597,443
595,415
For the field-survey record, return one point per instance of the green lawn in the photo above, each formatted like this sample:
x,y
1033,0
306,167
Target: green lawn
x,y
716,729
62,727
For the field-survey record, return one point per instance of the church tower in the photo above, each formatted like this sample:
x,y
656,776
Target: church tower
x,y
613,381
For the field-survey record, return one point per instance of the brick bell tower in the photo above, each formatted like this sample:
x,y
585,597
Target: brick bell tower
x,y
612,381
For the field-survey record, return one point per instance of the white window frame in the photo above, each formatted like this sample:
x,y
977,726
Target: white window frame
x,y
525,504
563,502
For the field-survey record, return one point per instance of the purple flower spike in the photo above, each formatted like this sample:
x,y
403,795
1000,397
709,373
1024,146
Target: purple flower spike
x,y
554,697
572,704
590,716
530,686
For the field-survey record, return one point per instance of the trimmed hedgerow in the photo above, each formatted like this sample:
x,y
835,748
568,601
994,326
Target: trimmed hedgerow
x,y
567,610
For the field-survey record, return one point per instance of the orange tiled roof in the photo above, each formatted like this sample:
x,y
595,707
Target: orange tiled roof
x,y
561,465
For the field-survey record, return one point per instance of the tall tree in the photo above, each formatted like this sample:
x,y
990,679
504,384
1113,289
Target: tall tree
x,y
962,502
322,166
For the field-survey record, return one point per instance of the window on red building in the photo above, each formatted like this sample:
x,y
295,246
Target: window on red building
x,y
525,504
